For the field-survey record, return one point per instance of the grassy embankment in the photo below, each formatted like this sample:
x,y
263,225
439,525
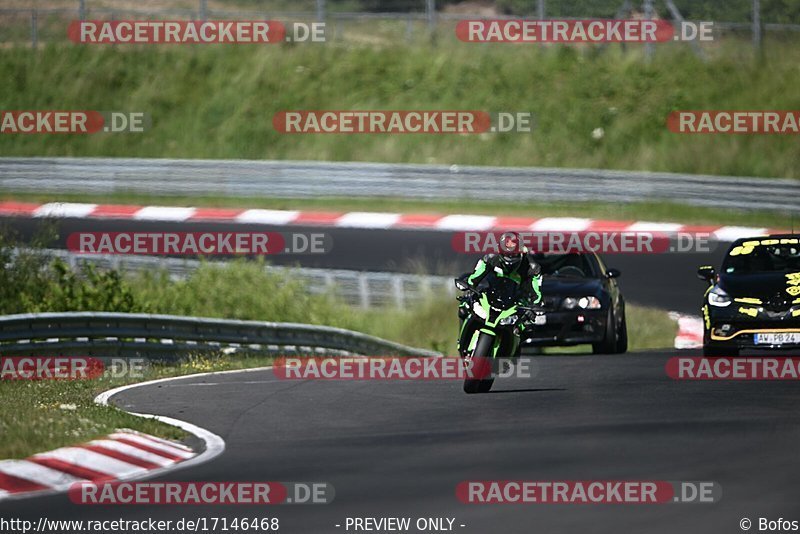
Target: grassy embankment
x,y
218,102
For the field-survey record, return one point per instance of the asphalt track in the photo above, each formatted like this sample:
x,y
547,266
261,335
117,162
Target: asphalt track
x,y
666,281
399,449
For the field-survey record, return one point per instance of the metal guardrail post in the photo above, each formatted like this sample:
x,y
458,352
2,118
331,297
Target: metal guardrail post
x,y
540,12
430,12
34,28
397,290
649,11
320,10
757,24
676,15
363,290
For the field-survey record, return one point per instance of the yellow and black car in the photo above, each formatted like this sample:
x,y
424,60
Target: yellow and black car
x,y
754,301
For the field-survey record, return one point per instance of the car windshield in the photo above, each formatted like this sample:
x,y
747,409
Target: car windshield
x,y
780,258
567,265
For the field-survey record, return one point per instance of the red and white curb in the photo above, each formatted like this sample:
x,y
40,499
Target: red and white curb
x,y
366,220
123,455
690,331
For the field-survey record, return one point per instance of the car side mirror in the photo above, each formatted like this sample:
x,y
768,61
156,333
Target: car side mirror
x,y
707,273
613,273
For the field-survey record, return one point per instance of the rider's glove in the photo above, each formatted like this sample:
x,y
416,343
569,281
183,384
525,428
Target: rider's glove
x,y
528,316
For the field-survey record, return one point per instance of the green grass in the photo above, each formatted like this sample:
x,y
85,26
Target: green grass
x,y
54,413
649,328
650,211
244,290
218,102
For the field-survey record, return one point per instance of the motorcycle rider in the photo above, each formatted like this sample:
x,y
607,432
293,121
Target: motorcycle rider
x,y
514,262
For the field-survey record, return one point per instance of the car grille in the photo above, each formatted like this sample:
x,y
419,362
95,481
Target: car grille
x,y
777,304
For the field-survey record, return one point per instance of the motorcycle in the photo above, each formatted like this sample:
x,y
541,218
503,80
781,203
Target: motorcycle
x,y
492,323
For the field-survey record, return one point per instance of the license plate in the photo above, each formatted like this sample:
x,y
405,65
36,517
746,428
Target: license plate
x,y
540,319
778,338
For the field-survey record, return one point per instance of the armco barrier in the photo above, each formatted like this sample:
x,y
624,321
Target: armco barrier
x,y
307,179
104,334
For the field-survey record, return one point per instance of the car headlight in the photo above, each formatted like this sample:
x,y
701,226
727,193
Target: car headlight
x,y
589,303
569,303
717,297
479,311
511,319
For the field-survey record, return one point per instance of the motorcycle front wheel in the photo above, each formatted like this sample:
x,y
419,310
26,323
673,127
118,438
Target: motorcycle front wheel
x,y
482,366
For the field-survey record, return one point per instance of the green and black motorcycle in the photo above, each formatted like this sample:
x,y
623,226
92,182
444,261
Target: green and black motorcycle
x,y
492,322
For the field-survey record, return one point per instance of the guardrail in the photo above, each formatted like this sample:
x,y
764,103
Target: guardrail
x,y
358,288
103,334
303,179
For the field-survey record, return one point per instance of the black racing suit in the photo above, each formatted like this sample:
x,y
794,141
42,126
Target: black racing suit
x,y
526,272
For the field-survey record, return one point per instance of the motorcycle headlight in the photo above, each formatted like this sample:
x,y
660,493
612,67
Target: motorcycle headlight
x,y
717,297
589,303
479,311
511,319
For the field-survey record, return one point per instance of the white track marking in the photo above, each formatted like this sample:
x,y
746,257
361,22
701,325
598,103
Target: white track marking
x,y
130,450
363,219
466,222
561,224
169,449
267,216
40,474
732,233
64,209
163,213
92,460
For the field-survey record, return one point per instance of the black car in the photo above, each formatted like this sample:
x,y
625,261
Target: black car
x,y
754,301
583,304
